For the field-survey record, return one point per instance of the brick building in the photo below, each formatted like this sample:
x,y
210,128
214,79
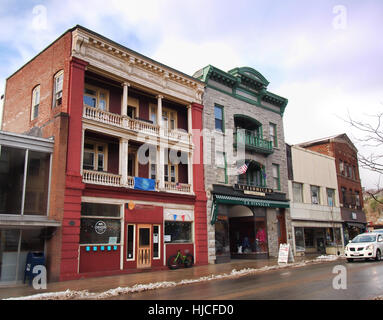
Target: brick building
x,y
127,174
245,165
349,185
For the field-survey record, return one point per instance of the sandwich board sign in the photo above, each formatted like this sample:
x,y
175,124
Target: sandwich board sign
x,y
285,254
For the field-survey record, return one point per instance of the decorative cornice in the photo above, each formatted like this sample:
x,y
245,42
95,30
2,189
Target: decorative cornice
x,y
134,67
244,79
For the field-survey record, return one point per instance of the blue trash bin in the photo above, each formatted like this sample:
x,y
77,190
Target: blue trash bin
x,y
33,259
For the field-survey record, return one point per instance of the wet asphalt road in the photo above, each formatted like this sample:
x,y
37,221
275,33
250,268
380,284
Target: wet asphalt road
x,y
364,280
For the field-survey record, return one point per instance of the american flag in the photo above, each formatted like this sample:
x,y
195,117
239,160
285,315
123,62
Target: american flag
x,y
242,169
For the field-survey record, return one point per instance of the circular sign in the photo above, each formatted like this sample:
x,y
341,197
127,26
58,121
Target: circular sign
x,y
100,227
131,205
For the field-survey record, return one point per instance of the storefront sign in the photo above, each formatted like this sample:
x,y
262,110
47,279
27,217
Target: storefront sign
x,y
255,193
285,255
100,227
167,238
246,188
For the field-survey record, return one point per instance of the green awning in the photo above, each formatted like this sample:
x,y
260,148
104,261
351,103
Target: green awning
x,y
244,202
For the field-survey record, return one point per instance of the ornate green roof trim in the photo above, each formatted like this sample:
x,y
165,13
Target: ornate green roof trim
x,y
216,74
246,80
250,76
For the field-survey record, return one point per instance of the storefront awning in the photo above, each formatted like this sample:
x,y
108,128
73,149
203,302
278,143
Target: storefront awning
x,y
18,221
252,202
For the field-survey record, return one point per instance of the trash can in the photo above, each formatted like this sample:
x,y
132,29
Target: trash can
x,y
33,259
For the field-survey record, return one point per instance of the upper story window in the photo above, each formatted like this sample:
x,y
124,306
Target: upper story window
x,y
273,135
169,119
218,115
331,197
35,102
297,192
220,162
276,177
95,156
315,198
341,167
58,88
96,97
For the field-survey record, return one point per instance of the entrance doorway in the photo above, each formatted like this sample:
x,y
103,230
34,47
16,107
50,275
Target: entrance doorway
x,y
144,251
282,238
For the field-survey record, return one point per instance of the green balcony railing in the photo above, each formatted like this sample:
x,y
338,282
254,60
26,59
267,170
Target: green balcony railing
x,y
252,141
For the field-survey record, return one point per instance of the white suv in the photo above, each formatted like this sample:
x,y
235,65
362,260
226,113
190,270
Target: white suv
x,y
365,246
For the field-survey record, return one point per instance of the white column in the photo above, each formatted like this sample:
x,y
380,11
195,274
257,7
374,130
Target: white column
x,y
159,112
124,106
123,163
190,170
160,166
190,128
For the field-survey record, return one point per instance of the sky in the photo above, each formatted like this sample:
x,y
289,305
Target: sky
x,y
325,57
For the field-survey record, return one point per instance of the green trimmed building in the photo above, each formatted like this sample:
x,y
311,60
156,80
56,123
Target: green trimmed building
x,y
245,165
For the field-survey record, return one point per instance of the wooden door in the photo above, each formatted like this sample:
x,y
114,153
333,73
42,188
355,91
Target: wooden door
x,y
281,227
144,247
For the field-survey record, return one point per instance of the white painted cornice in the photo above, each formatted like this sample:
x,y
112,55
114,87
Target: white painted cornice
x,y
134,68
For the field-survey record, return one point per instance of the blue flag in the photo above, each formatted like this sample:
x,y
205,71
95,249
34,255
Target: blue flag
x,y
144,184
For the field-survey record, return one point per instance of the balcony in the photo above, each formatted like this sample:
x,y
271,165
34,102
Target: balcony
x,y
135,125
252,142
115,180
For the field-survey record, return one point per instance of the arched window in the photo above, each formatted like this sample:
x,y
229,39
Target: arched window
x,y
35,102
58,88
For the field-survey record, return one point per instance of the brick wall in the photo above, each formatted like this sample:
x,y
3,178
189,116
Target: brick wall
x,y
49,123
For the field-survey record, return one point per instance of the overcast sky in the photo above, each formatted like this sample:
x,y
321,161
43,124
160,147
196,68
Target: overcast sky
x,y
325,57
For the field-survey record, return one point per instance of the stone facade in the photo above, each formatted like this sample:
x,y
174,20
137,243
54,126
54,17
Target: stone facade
x,y
239,103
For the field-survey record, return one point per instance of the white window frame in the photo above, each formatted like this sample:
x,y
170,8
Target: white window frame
x,y
58,83
159,241
35,102
96,154
134,242
97,96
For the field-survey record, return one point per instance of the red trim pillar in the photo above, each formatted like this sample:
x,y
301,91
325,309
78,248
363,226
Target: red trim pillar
x,y
73,184
200,218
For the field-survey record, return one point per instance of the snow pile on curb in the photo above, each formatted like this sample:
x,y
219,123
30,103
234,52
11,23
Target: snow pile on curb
x,y
85,294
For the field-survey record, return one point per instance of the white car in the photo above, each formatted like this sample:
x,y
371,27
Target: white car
x,y
365,246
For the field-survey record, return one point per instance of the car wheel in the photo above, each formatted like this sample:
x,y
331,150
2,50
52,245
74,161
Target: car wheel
x,y
350,260
378,255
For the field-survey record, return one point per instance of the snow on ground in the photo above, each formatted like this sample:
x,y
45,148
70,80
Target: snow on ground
x,y
85,294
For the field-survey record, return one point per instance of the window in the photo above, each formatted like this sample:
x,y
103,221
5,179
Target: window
x,y
96,98
153,171
100,223
35,102
130,231
95,156
169,119
273,135
299,239
276,177
156,241
357,199
170,173
58,89
314,194
220,162
178,232
153,114
341,167
331,197
343,190
297,192
218,115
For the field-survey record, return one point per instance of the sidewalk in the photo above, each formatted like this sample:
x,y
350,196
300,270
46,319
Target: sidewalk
x,y
113,285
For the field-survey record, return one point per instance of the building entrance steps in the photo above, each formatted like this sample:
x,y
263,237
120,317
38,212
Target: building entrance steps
x,y
102,287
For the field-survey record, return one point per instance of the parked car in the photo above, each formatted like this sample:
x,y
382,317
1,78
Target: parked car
x,y
365,246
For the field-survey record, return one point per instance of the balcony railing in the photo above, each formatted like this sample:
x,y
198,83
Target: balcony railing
x,y
136,125
252,142
115,180
101,178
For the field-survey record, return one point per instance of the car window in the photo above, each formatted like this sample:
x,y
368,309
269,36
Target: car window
x,y
364,238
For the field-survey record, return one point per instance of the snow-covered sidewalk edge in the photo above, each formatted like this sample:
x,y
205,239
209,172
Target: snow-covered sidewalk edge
x,y
85,294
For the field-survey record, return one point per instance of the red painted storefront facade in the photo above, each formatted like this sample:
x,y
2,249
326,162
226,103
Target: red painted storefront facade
x,y
140,222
